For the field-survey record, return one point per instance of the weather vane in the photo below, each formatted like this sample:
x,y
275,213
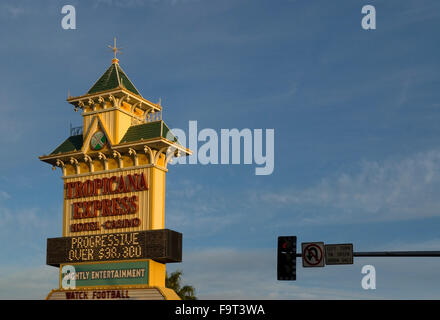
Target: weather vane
x,y
115,50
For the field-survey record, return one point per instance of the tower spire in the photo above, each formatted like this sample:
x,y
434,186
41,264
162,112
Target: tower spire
x,y
115,51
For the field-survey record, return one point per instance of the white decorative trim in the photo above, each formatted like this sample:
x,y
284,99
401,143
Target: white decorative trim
x,y
88,113
115,170
78,99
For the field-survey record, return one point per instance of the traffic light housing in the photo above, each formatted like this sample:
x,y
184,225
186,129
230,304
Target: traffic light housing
x,y
286,259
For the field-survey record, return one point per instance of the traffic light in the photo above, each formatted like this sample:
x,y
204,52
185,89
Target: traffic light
x,y
286,260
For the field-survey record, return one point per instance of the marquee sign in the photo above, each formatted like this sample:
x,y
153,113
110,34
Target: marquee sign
x,y
160,245
114,174
107,202
113,273
110,293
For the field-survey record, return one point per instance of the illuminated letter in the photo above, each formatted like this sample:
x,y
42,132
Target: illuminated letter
x,y
76,213
98,185
142,183
96,206
124,204
133,204
78,189
132,183
110,184
121,186
69,187
115,206
106,207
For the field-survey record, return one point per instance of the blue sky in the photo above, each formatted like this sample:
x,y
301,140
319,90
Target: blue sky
x,y
356,117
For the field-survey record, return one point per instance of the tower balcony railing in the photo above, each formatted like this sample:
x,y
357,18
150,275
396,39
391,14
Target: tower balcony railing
x,y
75,131
156,116
151,117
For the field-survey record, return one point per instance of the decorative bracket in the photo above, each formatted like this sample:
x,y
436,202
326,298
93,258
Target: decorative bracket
x,y
117,155
171,152
114,100
102,157
61,164
75,162
158,153
126,98
88,159
132,152
149,152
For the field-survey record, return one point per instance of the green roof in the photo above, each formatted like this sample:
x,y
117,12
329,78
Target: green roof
x,y
143,131
149,130
72,143
112,79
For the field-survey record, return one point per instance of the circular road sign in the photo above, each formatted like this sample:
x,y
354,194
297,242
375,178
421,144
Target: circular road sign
x,y
313,254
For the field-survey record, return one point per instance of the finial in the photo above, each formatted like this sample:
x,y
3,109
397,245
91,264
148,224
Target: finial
x,y
115,51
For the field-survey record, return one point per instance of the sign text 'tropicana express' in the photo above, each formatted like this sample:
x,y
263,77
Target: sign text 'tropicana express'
x,y
104,207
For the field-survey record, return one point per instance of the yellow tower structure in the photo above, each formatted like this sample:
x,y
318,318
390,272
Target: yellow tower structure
x,y
114,244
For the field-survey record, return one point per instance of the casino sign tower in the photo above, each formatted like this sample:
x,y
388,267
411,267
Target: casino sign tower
x,y
114,244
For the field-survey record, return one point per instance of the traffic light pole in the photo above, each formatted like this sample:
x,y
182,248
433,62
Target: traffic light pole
x,y
392,254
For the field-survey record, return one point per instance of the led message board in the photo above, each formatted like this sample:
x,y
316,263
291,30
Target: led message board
x,y
163,246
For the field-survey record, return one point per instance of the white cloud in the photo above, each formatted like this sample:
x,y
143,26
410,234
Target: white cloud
x,y
199,210
428,245
413,13
13,10
4,195
27,218
395,189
